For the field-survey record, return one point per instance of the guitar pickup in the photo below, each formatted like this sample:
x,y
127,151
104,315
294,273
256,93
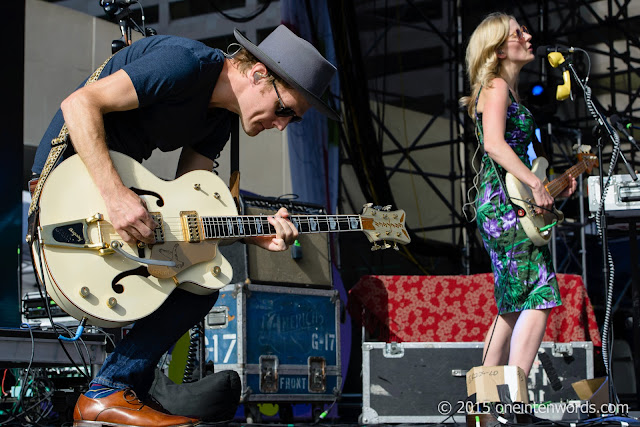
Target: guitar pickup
x,y
158,233
190,226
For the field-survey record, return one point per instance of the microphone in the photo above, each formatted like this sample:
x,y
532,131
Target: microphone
x,y
617,122
544,50
563,91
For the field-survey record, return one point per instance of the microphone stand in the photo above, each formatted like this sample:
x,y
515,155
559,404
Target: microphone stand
x,y
122,14
602,123
629,138
603,128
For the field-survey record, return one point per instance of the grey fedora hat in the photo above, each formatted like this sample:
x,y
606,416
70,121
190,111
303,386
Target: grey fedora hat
x,y
297,62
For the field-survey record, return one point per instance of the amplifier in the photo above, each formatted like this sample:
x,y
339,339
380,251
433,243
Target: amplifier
x,y
306,264
622,198
35,307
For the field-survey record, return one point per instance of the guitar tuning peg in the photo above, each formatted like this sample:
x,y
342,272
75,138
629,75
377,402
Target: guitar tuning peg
x,y
395,246
375,247
367,205
386,208
386,245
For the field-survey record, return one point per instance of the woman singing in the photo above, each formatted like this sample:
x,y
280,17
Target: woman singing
x,y
525,288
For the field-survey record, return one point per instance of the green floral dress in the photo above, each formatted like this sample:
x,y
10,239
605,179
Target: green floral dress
x,y
524,277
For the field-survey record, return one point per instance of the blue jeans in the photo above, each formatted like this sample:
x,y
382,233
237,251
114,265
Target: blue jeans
x,y
133,362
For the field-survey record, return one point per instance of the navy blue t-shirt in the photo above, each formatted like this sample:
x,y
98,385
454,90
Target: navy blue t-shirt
x,y
174,78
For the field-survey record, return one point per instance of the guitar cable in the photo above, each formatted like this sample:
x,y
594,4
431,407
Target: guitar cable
x,y
504,289
41,286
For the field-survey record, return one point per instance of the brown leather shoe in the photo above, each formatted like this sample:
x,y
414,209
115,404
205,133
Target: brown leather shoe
x,y
122,409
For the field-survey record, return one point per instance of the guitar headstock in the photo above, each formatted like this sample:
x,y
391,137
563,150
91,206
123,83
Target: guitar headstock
x,y
585,154
381,224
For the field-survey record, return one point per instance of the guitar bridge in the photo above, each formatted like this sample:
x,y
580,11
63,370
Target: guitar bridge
x,y
190,226
75,235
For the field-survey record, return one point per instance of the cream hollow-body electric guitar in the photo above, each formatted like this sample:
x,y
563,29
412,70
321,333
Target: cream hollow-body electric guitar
x,y
90,272
538,226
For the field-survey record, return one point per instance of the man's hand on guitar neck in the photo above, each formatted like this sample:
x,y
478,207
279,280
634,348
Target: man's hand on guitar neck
x,y
286,233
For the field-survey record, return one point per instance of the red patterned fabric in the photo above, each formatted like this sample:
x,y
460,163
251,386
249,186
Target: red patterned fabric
x,y
458,309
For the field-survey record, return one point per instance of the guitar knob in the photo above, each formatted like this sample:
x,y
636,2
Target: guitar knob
x,y
112,302
84,292
216,271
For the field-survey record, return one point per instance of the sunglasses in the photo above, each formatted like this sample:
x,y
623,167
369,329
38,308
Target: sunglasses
x,y
519,33
284,111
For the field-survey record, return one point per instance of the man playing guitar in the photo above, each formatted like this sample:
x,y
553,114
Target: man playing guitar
x,y
168,92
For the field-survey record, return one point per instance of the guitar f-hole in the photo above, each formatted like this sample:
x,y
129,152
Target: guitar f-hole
x,y
118,288
141,192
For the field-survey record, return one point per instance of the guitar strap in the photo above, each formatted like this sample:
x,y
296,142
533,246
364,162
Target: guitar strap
x,y
234,187
58,146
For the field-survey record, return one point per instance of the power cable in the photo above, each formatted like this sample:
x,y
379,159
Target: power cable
x,y
246,18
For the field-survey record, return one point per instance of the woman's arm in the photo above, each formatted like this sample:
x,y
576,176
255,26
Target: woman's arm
x,y
493,103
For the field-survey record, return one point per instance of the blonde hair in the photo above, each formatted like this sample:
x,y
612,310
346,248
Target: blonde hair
x,y
483,64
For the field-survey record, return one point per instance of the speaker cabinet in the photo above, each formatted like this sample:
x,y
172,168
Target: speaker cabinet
x,y
312,266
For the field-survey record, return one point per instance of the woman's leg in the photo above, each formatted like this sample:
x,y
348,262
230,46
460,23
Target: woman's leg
x,y
497,341
527,337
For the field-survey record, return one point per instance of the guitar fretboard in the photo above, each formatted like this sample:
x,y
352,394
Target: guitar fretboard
x,y
217,227
556,186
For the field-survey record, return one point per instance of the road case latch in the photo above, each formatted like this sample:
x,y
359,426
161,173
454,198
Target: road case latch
x,y
317,375
269,374
562,350
393,350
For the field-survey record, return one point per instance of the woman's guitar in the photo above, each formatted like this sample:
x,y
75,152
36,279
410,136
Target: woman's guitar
x,y
538,226
89,271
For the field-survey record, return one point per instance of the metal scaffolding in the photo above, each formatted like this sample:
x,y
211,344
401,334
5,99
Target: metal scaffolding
x,y
391,32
